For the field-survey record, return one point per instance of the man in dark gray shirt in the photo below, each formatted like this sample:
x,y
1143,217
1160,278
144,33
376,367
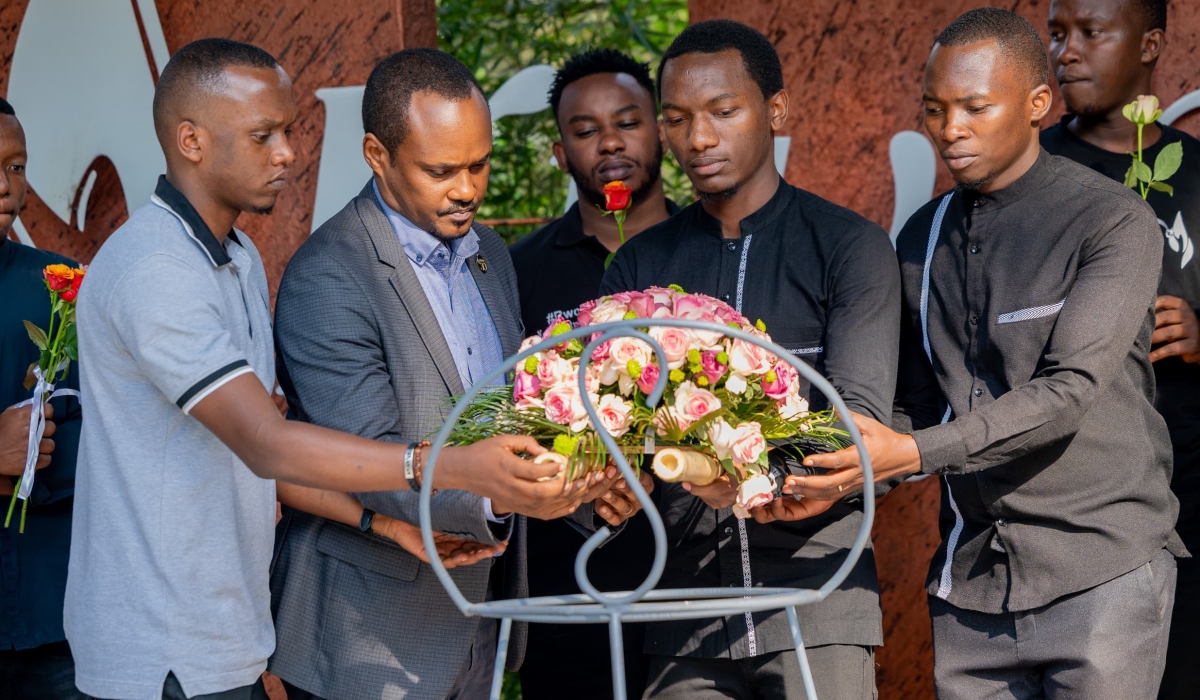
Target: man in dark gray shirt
x,y
1025,381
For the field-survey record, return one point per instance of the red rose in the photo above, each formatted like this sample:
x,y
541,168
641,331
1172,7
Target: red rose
x,y
58,277
617,196
70,294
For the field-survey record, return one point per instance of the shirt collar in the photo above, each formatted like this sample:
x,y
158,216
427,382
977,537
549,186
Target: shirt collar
x,y
761,219
419,245
171,199
1035,179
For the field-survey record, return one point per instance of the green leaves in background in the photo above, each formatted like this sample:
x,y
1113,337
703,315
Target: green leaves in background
x,y
497,38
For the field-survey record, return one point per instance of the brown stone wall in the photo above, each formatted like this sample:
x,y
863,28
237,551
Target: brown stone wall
x,y
853,71
320,44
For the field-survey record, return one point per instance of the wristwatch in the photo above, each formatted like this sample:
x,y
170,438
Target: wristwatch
x,y
364,523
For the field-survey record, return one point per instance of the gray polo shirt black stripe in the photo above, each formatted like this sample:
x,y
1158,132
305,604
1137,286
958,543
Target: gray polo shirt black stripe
x,y
172,533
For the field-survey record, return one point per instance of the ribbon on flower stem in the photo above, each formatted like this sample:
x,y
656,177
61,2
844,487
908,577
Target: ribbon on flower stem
x,y
43,391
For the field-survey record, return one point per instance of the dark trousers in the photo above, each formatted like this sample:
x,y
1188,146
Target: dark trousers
x,y
255,691
1181,679
575,661
42,673
840,672
1105,643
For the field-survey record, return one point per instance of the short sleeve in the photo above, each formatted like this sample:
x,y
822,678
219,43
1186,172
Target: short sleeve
x,y
169,317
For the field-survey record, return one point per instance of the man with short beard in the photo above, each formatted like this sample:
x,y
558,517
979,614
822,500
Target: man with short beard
x,y
1025,381
603,102
824,280
1103,53
396,304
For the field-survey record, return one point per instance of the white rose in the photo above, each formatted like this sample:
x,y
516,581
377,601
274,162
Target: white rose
x,y
720,436
607,311
735,383
793,407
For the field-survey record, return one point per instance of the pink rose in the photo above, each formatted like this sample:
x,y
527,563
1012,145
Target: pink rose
x,y
600,354
675,343
727,314
708,340
693,403
756,491
626,297
526,385
643,306
530,342
748,443
609,310
592,379
648,378
713,369
666,415
614,414
662,296
623,350
747,358
585,313
786,381
693,306
554,370
564,405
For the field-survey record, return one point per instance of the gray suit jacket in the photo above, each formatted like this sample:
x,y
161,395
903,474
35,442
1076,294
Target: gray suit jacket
x,y
360,350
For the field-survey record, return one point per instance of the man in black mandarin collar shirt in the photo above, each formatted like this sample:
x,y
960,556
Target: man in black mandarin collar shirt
x,y
824,280
1103,53
604,104
1025,381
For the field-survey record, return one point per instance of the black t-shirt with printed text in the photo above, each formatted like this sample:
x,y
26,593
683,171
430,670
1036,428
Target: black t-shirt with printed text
x,y
1177,382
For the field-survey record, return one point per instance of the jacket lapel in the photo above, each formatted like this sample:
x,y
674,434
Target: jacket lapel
x,y
496,296
404,281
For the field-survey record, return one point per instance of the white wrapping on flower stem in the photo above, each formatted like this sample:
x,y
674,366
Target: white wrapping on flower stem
x,y
43,391
675,464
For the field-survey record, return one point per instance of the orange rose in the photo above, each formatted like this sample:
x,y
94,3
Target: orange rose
x,y
617,196
58,277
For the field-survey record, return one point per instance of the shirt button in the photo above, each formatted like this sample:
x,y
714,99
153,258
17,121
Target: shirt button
x,y
978,393
974,250
469,351
1001,522
731,246
974,320
418,258
728,531
725,297
975,203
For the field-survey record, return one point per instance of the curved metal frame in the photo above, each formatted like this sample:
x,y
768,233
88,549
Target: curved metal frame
x,y
643,604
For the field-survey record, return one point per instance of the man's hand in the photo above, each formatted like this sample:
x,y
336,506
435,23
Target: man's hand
x,y
1175,324
618,504
14,440
787,509
892,454
721,493
452,551
537,490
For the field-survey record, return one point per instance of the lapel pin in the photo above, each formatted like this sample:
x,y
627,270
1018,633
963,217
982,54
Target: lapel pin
x,y
481,263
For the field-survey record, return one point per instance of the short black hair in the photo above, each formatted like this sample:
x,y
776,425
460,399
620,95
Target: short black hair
x,y
716,35
197,69
7,109
1153,12
1018,40
595,61
394,81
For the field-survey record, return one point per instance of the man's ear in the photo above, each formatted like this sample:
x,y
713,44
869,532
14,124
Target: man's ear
x,y
777,106
560,156
377,156
189,140
1153,42
1040,100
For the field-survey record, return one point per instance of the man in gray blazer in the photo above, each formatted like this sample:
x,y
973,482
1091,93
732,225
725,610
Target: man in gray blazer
x,y
393,305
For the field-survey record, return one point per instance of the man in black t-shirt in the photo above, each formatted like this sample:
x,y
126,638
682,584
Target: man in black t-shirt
x,y
603,101
1103,53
